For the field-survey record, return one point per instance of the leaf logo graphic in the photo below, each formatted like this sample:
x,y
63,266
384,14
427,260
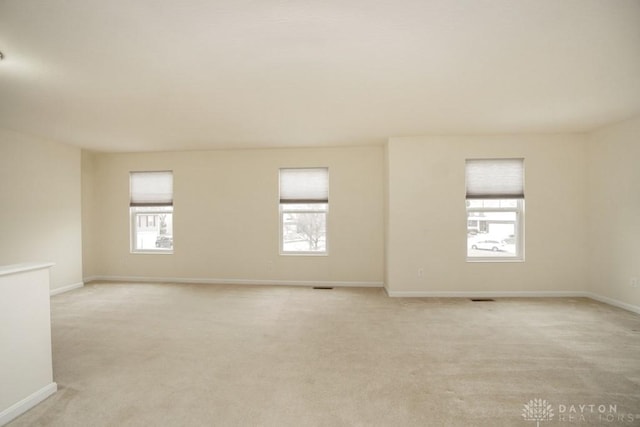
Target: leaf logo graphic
x,y
537,410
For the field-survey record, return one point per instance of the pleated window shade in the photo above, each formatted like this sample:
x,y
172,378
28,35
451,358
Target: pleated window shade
x,y
304,185
151,188
495,178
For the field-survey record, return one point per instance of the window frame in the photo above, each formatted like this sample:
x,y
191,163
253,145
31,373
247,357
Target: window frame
x,y
519,210
291,210
134,213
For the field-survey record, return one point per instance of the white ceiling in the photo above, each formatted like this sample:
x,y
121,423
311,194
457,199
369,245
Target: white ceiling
x,y
139,75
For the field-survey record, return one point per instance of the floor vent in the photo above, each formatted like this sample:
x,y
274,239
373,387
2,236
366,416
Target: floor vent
x,y
322,287
482,299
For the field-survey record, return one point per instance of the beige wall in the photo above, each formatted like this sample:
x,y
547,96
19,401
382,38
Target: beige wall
x,y
40,215
90,247
582,210
614,211
226,216
427,217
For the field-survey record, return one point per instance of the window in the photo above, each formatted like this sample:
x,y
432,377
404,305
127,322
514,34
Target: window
x,y
304,205
495,209
151,211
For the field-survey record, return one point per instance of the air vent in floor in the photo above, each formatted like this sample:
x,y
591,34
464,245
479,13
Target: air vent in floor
x,y
482,299
322,287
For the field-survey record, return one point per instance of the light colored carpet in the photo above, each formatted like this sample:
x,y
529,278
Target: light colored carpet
x,y
203,355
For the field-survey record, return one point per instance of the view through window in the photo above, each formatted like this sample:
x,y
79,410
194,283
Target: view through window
x,y
493,228
304,227
152,228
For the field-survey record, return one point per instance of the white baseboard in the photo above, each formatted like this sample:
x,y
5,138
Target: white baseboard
x,y
27,403
90,279
141,279
614,302
486,294
395,294
68,288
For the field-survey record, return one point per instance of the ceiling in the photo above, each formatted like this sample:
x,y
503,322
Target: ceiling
x,y
150,75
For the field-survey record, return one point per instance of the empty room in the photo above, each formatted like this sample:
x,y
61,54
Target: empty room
x,y
320,213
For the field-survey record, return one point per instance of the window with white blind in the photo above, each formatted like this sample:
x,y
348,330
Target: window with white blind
x,y
495,209
151,211
304,206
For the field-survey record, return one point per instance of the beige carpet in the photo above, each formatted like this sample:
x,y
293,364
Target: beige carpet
x,y
207,355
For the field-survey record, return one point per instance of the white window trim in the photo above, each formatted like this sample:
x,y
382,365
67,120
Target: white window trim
x,y
133,228
303,211
519,257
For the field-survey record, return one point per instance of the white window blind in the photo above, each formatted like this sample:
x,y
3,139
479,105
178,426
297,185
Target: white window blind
x,y
151,188
304,185
495,178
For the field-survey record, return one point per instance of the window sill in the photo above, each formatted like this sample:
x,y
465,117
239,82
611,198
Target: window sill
x,y
311,254
485,260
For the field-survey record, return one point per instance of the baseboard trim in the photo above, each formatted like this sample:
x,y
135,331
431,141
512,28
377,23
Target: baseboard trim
x,y
393,294
19,408
486,294
90,279
614,302
68,288
142,279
